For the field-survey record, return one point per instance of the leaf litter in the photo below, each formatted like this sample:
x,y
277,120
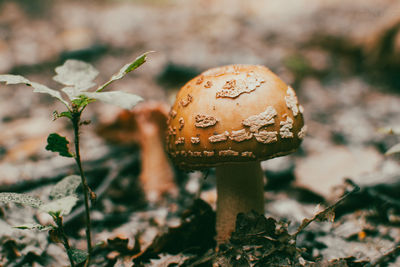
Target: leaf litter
x,y
374,208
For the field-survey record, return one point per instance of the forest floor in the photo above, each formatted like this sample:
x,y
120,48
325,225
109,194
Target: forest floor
x,y
341,57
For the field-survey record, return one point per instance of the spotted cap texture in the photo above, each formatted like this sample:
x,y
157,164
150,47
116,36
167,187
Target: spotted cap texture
x,y
234,113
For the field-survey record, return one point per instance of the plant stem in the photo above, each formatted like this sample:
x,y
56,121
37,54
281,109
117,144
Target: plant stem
x,y
76,117
65,242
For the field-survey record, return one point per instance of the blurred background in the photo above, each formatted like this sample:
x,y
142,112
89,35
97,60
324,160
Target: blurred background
x,y
341,57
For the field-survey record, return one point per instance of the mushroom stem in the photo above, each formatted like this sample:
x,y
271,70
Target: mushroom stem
x,y
156,176
239,189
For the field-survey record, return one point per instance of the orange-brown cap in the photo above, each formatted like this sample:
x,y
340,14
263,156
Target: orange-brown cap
x,y
234,113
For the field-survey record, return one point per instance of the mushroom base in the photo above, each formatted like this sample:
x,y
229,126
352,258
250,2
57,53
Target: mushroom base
x,y
240,188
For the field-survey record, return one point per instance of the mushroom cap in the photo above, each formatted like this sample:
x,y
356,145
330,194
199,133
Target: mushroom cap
x,y
130,125
234,113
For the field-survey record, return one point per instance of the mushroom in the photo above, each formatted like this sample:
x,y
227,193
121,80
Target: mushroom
x,y
232,118
146,125
156,177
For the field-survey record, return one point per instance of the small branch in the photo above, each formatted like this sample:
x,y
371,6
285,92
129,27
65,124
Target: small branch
x,y
323,214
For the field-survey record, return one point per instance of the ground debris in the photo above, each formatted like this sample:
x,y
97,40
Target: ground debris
x,y
380,197
259,241
168,260
343,68
389,257
121,245
345,262
194,236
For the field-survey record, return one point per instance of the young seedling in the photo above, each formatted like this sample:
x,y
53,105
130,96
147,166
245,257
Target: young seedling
x,y
77,78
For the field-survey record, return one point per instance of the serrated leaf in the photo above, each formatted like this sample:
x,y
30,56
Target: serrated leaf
x,y
61,207
37,87
40,88
34,227
13,79
72,92
76,74
117,98
125,70
78,255
66,187
19,198
393,150
58,143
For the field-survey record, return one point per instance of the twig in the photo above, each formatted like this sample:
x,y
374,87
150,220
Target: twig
x,y
388,257
323,214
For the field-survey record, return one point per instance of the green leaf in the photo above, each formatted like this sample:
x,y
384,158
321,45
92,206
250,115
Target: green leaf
x,y
61,206
135,64
393,150
57,115
82,101
66,187
37,87
66,114
117,98
23,199
78,255
57,143
76,74
34,227
125,70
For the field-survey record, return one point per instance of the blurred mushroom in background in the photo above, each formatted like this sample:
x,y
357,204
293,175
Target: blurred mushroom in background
x,y
146,125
